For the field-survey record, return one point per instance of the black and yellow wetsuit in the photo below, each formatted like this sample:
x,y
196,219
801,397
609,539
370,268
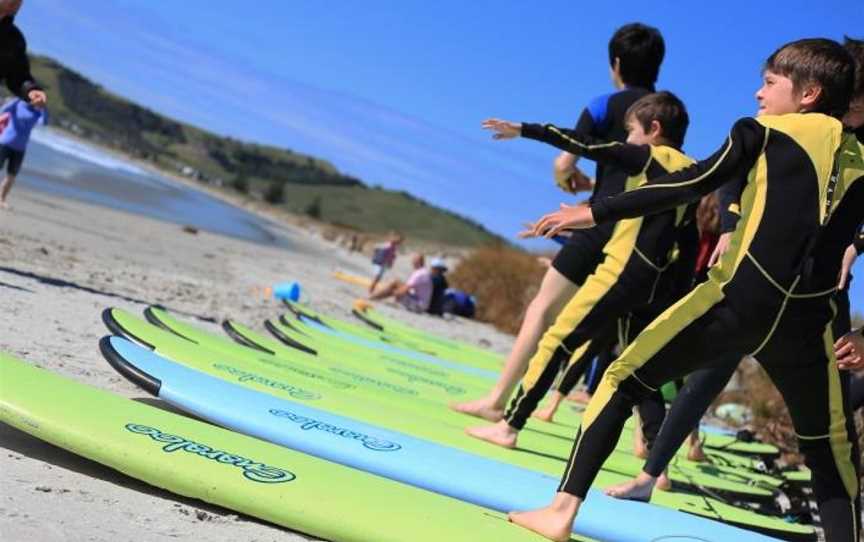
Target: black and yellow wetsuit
x,y
770,297
629,277
602,119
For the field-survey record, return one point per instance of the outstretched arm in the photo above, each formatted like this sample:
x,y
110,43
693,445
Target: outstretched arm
x,y
630,158
732,161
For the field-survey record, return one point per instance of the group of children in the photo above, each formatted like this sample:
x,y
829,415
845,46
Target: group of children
x,y
790,186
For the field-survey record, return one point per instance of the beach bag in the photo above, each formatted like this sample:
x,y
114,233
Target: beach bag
x,y
459,303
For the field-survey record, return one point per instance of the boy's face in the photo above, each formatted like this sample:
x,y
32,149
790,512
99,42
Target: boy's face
x,y
636,134
777,95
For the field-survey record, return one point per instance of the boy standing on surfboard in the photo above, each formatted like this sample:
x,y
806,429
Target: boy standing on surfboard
x,y
635,54
769,296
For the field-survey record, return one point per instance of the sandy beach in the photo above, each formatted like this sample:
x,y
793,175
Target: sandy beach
x,y
61,263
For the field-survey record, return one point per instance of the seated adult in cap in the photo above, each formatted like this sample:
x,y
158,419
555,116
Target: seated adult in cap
x,y
437,268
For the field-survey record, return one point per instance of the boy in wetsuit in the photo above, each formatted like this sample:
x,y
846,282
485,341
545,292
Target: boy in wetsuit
x,y
770,295
632,281
704,385
635,54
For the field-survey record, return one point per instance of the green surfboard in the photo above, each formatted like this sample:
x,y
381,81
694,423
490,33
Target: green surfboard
x,y
198,460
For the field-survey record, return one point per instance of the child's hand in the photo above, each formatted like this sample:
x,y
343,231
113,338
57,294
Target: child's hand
x,y
849,351
569,217
37,98
721,248
579,182
848,259
504,129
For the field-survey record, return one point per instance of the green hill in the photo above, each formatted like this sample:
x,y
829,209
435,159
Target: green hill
x,y
299,183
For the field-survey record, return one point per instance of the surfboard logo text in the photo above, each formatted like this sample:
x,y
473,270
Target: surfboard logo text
x,y
252,470
246,376
308,424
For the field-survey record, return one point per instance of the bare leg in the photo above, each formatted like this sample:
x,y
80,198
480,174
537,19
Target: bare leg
x,y
555,291
580,396
386,291
663,482
5,187
555,522
639,448
548,413
696,453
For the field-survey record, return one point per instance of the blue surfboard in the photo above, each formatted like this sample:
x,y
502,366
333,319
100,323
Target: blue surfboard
x,y
397,456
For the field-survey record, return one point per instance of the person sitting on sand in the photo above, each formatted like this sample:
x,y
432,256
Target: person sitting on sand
x,y
437,268
415,293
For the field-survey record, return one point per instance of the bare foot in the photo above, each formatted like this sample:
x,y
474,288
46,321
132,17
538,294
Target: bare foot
x,y
500,434
696,454
362,305
663,482
545,414
580,397
4,205
554,522
480,408
637,489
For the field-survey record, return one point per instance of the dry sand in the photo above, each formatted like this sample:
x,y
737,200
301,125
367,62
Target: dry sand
x,y
61,263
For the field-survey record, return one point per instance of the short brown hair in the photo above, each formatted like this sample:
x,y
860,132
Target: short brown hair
x,y
667,109
817,61
856,50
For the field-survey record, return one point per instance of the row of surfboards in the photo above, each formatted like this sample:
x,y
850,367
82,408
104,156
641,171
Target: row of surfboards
x,y
340,430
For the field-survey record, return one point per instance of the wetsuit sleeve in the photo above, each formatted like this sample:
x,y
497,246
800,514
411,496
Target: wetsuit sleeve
x,y
19,80
729,197
632,159
733,160
859,242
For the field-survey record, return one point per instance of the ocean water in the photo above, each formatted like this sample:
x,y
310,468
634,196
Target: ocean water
x,y
64,167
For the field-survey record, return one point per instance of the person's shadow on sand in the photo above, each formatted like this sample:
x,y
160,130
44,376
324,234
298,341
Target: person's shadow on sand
x,y
62,283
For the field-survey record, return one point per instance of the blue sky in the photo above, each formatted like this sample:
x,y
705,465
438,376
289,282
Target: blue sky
x,y
394,92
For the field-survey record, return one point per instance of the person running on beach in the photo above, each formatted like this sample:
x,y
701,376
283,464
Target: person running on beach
x,y
383,258
770,296
17,119
636,52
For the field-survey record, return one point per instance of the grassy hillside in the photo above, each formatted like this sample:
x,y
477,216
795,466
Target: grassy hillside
x,y
297,182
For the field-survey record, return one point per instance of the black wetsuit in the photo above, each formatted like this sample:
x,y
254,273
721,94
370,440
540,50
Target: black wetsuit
x,y
770,296
637,257
602,119
14,64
